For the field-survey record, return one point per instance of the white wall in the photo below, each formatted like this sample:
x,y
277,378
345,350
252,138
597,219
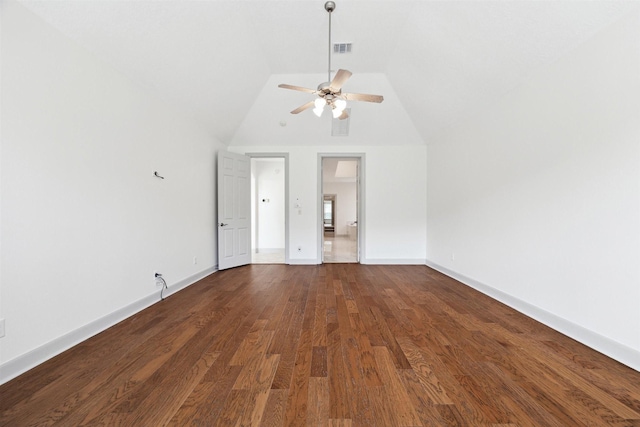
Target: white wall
x,y
1,104
346,203
395,197
84,222
269,203
536,200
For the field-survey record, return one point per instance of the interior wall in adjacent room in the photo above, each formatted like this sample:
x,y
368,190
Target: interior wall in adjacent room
x,y
269,206
346,203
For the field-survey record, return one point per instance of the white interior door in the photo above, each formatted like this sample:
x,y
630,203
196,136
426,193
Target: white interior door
x,y
234,210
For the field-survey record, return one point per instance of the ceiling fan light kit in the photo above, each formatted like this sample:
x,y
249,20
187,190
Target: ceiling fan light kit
x,y
330,92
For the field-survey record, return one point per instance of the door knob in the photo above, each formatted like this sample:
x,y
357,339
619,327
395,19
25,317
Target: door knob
x,y
222,224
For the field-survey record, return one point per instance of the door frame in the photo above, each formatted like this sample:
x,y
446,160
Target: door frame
x,y
284,156
360,208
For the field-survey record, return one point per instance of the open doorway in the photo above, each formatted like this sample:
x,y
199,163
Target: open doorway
x,y
329,214
268,213
340,209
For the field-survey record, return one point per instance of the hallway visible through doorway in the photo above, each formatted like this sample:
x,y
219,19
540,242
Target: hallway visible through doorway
x,y
340,182
268,220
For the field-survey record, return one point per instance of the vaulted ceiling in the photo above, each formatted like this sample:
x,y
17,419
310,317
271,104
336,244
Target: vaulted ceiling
x,y
435,62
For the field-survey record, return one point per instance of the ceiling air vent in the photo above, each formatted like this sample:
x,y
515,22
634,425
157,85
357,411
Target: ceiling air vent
x,y
341,127
340,48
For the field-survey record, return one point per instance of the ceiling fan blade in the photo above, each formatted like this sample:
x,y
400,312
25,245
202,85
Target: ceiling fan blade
x,y
341,77
344,115
303,107
301,89
362,97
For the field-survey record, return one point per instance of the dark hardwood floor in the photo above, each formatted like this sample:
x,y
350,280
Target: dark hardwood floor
x,y
331,345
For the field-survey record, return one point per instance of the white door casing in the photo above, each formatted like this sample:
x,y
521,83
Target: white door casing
x,y
234,213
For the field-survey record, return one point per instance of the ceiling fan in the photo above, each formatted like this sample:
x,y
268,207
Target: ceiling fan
x,y
330,92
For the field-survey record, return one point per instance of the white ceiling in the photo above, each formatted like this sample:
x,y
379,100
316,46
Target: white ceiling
x,y
436,62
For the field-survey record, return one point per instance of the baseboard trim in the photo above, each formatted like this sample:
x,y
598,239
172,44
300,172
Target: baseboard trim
x,y
21,364
398,261
393,261
178,286
268,250
613,349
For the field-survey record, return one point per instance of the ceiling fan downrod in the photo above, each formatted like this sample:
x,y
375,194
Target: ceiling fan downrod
x,y
329,7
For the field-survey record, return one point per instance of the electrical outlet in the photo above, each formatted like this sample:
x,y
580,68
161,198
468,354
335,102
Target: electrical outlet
x,y
157,279
2,328
195,260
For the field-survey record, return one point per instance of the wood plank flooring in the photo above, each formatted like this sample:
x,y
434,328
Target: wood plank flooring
x,y
330,345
